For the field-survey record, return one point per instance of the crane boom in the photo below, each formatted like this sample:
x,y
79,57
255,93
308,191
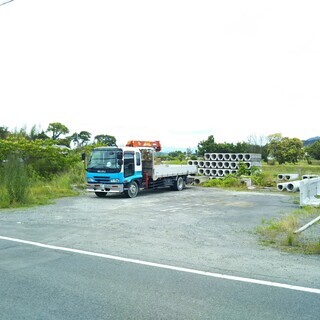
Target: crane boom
x,y
140,143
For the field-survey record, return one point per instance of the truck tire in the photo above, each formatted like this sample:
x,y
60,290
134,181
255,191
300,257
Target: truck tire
x,y
133,190
101,194
179,184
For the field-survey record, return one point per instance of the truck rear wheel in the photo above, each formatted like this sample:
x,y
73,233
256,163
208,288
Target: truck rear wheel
x,y
179,184
133,190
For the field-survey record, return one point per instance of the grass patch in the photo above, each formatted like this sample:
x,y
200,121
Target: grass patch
x,y
37,191
279,233
61,186
229,181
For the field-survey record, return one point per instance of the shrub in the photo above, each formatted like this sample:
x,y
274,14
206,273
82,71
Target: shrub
x,y
15,182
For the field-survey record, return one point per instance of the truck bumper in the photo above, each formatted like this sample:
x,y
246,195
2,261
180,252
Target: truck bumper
x,y
112,188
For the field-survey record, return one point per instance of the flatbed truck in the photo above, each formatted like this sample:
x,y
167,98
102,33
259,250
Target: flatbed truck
x,y
131,169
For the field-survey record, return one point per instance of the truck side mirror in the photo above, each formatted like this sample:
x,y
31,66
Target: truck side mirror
x,y
119,155
83,156
120,162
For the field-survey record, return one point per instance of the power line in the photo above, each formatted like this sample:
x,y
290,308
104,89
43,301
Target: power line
x,y
2,2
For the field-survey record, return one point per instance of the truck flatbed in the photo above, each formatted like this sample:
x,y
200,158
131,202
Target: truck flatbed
x,y
166,170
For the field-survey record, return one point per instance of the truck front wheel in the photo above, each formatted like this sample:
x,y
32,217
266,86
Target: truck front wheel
x,y
179,184
133,190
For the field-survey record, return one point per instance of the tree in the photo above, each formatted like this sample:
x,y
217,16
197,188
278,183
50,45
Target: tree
x,y
4,132
106,140
206,146
313,150
36,134
84,137
57,129
285,149
80,139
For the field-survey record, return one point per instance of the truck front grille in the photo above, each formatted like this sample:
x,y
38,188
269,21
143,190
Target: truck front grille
x,y
102,179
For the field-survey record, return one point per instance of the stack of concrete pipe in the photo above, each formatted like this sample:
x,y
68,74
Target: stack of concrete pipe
x,y
221,164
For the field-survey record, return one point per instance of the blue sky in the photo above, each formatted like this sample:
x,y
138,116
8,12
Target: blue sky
x,y
174,71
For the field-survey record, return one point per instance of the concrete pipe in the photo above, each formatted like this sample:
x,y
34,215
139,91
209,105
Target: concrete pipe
x,y
240,157
248,164
293,186
213,156
220,156
255,156
190,162
207,164
309,176
207,172
233,165
220,173
213,164
226,156
291,176
233,157
281,176
198,180
201,164
226,164
234,171
207,156
256,163
214,172
220,164
195,162
247,157
282,186
200,170
227,171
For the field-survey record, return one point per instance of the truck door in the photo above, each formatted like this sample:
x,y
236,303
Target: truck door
x,y
129,168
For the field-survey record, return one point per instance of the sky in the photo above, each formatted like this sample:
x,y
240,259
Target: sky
x,y
169,70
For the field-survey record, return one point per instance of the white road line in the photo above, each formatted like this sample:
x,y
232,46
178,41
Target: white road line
x,y
164,266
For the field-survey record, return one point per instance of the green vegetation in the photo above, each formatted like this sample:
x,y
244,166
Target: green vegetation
x,y
279,233
230,181
18,189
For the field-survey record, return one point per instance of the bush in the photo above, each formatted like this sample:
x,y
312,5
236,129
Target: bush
x,y
15,182
229,181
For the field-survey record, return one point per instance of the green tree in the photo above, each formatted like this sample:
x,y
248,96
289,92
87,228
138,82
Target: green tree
x,y
36,134
313,150
285,149
57,129
206,146
4,132
105,140
80,139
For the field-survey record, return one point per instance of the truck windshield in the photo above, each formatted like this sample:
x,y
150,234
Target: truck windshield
x,y
105,160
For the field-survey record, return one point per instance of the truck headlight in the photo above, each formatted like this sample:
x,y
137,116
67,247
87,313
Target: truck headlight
x,y
114,180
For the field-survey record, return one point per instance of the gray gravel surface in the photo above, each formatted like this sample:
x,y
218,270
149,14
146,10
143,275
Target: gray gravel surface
x,y
205,229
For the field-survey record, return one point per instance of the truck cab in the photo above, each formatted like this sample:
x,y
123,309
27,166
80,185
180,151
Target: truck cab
x,y
114,170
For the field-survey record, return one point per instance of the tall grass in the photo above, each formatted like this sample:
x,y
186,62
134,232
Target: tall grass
x,y
18,189
15,186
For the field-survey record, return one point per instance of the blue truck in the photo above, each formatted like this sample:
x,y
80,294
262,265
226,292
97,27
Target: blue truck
x,y
131,169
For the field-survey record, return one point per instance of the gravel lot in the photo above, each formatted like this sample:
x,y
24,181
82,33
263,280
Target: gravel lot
x,y
205,229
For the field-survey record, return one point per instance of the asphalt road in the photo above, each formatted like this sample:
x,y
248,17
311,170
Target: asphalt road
x,y
205,230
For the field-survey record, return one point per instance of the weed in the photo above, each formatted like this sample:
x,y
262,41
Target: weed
x,y
279,233
15,183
